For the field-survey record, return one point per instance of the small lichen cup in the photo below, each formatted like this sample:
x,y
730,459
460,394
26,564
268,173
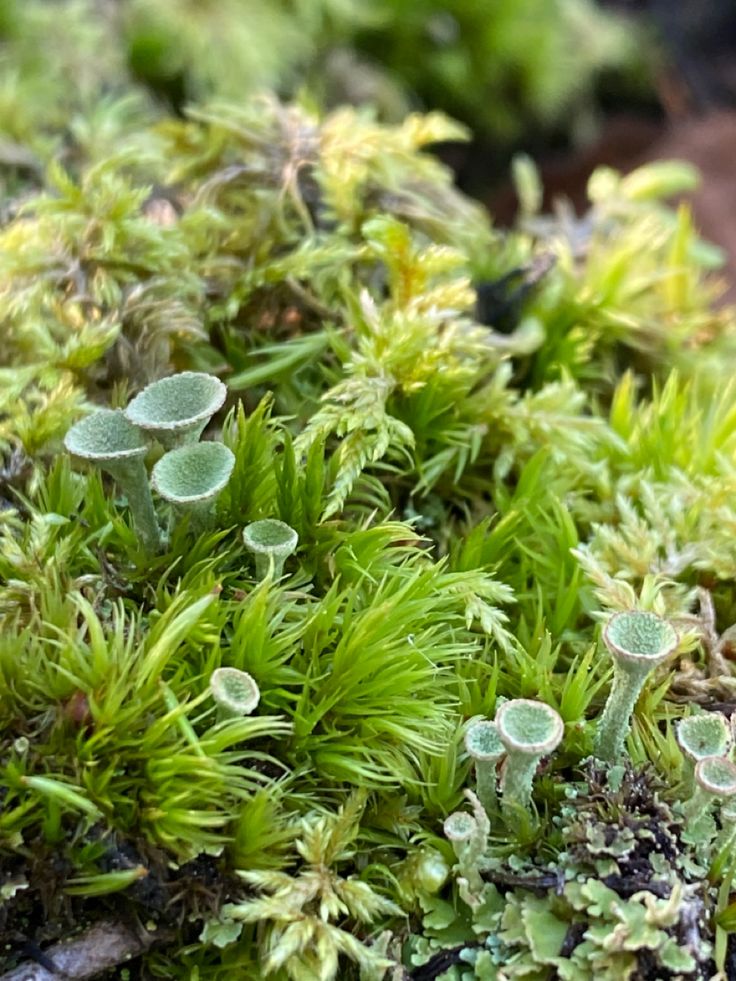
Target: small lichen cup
x,y
637,641
107,439
468,834
271,542
715,778
529,730
485,748
235,692
190,477
700,736
176,409
703,735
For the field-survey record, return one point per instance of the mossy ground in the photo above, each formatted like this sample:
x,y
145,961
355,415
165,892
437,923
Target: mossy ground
x,y
476,486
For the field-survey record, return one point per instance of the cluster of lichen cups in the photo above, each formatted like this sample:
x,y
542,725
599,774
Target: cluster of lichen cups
x,y
173,411
189,476
524,731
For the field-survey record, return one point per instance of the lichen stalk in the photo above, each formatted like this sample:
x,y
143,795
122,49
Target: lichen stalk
x,y
517,780
614,723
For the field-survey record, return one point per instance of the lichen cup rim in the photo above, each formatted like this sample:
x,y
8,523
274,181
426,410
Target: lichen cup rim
x,y
708,784
459,826
538,747
84,452
143,400
483,756
223,699
286,544
712,719
628,656
208,448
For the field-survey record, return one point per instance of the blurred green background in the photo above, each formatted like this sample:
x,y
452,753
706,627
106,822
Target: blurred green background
x,y
519,73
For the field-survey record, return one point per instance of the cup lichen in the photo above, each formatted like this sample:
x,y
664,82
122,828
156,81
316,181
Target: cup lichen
x,y
485,748
176,409
528,730
715,778
107,439
638,641
271,542
235,692
190,478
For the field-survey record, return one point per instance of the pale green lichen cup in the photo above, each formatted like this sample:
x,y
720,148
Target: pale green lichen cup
x,y
528,730
191,477
700,736
484,747
235,692
715,778
703,735
176,409
107,439
638,641
271,542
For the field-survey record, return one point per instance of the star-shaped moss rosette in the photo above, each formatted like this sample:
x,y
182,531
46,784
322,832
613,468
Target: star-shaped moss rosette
x,y
529,730
108,440
175,410
191,477
638,641
271,542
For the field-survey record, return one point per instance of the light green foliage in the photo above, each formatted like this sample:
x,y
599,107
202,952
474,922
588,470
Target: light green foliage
x,y
541,60
296,913
471,489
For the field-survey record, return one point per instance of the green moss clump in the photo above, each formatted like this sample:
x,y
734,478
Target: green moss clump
x,y
473,485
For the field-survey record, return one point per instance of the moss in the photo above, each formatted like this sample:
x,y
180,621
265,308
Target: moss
x,y
472,492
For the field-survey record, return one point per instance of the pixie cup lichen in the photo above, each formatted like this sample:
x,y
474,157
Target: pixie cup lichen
x,y
107,439
176,409
485,748
191,477
460,826
707,734
468,834
271,542
235,692
700,736
528,730
637,641
715,778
